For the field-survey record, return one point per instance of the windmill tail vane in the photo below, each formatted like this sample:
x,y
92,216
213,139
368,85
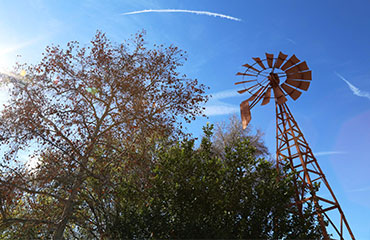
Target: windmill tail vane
x,y
277,78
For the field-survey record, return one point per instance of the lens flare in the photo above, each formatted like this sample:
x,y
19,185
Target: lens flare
x,y
23,73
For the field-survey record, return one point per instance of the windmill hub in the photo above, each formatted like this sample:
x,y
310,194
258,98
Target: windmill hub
x,y
274,79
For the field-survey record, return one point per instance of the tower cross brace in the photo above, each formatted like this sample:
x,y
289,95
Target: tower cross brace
x,y
293,149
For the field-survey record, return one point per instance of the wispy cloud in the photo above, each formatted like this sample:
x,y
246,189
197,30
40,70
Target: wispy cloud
x,y
356,91
225,94
220,109
328,153
291,40
183,11
216,107
364,189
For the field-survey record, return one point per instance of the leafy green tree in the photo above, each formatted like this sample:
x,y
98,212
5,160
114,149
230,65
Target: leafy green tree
x,y
194,193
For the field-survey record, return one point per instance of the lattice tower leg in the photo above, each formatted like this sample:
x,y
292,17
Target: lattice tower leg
x,y
292,149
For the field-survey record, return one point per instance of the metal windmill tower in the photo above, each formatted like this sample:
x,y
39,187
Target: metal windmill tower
x,y
285,77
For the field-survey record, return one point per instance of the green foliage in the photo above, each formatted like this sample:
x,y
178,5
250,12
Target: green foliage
x,y
193,193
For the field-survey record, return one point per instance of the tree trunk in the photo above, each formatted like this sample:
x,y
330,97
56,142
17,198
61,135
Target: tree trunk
x,y
68,210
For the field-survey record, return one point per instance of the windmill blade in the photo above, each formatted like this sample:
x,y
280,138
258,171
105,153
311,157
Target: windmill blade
x,y
300,75
293,93
298,68
298,84
279,95
246,74
250,67
247,89
293,60
270,59
242,91
255,94
281,58
259,62
245,113
266,96
245,81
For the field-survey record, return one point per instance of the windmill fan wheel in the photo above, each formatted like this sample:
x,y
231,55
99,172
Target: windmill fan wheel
x,y
280,75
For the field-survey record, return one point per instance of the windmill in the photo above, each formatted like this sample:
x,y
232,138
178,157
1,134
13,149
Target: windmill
x,y
278,78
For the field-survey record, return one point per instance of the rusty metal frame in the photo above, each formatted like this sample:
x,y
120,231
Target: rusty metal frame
x,y
293,149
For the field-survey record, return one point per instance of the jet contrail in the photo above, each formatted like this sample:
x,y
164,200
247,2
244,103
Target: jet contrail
x,y
183,11
354,89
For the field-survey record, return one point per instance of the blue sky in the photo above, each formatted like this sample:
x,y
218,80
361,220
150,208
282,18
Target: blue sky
x,y
332,36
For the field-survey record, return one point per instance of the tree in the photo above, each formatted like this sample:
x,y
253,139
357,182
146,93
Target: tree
x,y
227,134
83,112
195,193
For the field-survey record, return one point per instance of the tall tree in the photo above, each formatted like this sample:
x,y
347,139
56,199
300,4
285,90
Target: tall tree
x,y
82,111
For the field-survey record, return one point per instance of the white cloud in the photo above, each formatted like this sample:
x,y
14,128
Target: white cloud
x,y
183,11
328,153
216,107
356,91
